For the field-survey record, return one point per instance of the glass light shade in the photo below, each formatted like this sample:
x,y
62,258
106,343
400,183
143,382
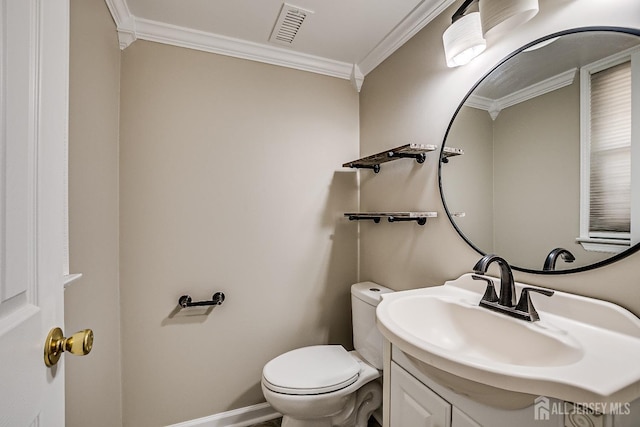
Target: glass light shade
x,y
499,16
463,40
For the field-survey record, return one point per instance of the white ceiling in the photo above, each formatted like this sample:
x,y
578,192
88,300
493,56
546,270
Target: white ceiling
x,y
569,52
546,67
341,38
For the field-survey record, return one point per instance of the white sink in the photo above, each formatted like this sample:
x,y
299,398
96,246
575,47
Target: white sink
x,y
479,334
581,350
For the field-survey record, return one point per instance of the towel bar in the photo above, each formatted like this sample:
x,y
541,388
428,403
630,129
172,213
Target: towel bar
x,y
185,301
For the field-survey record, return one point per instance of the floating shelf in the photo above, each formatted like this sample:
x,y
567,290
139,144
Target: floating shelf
x,y
414,151
419,217
450,152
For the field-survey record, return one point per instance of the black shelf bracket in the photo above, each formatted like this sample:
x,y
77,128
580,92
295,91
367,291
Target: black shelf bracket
x,y
422,220
375,219
419,217
376,167
420,157
450,152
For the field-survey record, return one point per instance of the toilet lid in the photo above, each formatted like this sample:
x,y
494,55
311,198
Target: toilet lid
x,y
311,370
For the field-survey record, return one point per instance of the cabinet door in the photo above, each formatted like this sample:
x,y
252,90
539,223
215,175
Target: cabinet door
x,y
460,419
413,404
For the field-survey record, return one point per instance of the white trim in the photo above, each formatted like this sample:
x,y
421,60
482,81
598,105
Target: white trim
x,y
357,78
125,23
483,103
130,28
547,85
585,151
494,106
36,140
611,246
127,32
479,102
611,61
424,13
67,279
119,11
242,417
213,43
635,148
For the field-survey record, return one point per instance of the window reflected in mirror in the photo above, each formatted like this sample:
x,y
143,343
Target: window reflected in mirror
x,y
605,102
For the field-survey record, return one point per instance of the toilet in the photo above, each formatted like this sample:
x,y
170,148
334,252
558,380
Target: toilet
x,y
326,385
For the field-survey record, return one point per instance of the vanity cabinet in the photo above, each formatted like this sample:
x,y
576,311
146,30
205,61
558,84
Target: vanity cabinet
x,y
413,404
416,400
460,419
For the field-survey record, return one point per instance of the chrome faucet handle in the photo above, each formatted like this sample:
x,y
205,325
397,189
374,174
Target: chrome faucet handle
x,y
525,305
489,293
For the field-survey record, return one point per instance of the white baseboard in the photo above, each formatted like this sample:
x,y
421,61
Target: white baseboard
x,y
242,417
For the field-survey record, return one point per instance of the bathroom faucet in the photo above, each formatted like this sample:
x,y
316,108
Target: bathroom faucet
x,y
506,303
550,261
507,288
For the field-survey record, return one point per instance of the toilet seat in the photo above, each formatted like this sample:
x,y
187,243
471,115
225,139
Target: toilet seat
x,y
311,370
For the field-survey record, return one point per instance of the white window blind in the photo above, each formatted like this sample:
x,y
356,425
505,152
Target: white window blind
x,y
610,157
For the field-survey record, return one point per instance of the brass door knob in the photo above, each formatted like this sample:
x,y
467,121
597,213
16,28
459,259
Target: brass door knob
x,y
79,344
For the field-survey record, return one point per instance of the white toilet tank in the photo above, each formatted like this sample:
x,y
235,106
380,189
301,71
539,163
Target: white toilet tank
x,y
367,340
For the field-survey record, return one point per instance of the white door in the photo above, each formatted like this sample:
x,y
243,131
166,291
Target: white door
x,y
34,39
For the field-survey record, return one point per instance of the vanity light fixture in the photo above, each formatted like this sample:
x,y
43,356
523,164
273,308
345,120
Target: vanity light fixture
x,y
463,40
499,16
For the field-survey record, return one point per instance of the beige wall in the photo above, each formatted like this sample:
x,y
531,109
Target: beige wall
x,y
228,182
93,389
410,98
468,179
537,174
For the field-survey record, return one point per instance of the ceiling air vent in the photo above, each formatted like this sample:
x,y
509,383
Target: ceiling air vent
x,y
288,24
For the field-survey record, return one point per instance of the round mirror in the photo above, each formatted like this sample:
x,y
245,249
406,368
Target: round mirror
x,y
548,139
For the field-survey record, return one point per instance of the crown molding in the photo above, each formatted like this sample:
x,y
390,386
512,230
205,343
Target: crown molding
x,y
357,78
131,28
424,13
494,106
482,103
545,86
119,11
199,40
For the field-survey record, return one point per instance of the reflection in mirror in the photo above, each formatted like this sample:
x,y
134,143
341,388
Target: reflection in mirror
x,y
528,183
